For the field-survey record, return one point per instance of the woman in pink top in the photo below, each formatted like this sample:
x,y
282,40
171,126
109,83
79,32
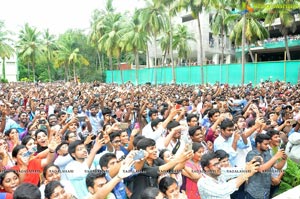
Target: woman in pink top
x,y
192,172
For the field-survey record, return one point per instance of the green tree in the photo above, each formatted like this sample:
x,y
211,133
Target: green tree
x,y
153,19
49,47
181,41
76,58
196,7
247,29
134,40
285,15
217,24
29,46
6,49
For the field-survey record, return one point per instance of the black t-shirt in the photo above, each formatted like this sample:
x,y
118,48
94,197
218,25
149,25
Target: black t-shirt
x,y
147,177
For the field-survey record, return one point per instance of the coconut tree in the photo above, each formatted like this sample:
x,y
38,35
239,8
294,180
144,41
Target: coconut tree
x,y
29,45
247,29
286,17
181,41
76,58
218,26
49,47
196,7
153,20
109,42
134,40
6,49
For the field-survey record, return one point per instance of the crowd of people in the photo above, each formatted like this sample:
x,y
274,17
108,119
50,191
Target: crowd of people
x,y
96,140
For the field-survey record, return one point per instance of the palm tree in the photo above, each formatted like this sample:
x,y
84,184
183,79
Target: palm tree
x,y
134,40
109,42
286,16
181,41
218,25
196,7
29,45
153,20
6,49
49,47
76,58
247,29
172,9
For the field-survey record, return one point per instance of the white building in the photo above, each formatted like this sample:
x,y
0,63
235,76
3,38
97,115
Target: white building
x,y
211,44
11,69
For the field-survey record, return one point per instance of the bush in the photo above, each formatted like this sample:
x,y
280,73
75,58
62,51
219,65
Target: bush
x,y
4,80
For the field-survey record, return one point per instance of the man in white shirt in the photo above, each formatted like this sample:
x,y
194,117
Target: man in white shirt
x,y
211,187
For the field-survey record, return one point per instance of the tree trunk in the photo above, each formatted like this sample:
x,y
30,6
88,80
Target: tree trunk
x,y
74,72
288,55
222,43
251,54
121,71
33,70
111,69
155,59
148,57
201,50
28,73
243,49
3,69
99,60
171,50
136,67
49,72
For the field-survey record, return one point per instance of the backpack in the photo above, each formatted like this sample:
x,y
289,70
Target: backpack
x,y
293,147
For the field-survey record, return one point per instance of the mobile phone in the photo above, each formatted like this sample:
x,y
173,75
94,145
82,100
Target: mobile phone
x,y
258,159
93,136
123,126
42,121
81,118
139,155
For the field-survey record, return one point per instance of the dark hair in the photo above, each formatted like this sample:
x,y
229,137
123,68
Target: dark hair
x,y
272,132
152,111
161,153
16,150
221,154
7,132
92,176
155,122
193,129
189,117
260,138
172,124
27,191
26,139
73,145
137,138
212,112
196,146
144,143
226,123
38,131
4,173
47,167
106,111
206,158
66,137
61,113
51,115
113,135
50,187
103,162
165,183
150,193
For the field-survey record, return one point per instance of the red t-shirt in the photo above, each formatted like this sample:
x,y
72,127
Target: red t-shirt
x,y
6,196
33,172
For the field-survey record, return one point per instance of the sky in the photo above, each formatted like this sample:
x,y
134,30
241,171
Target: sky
x,y
56,15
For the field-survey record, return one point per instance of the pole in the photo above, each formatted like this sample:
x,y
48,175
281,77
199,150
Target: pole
x,y
284,67
255,70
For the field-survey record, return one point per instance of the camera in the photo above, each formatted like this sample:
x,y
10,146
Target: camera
x,y
42,121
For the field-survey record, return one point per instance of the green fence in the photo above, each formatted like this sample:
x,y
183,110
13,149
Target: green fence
x,y
227,73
